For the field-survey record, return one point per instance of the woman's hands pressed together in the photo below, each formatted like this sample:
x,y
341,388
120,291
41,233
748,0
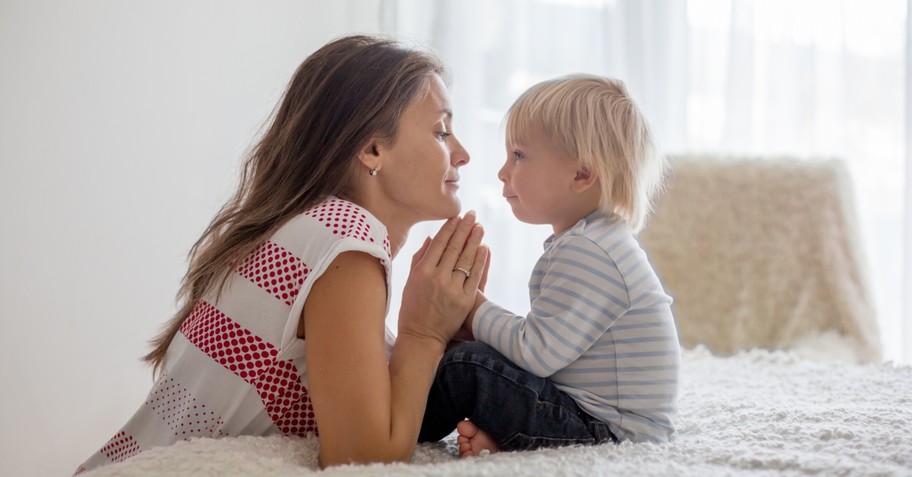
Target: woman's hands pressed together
x,y
369,410
444,279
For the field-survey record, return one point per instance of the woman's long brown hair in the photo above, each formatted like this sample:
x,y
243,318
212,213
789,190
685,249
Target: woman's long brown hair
x,y
350,90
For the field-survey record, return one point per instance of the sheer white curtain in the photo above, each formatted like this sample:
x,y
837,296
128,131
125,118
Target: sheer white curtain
x,y
803,78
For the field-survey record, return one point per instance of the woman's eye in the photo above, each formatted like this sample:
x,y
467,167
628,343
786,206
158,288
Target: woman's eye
x,y
517,155
443,135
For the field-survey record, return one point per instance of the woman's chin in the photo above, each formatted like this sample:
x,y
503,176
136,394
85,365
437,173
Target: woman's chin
x,y
442,207
451,209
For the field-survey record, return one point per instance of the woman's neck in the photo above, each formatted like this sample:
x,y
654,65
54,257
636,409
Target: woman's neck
x,y
397,224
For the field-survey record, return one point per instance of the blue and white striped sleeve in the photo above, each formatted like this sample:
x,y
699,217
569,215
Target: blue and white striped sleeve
x,y
581,292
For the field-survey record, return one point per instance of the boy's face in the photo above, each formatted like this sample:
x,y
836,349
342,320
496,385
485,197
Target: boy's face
x,y
542,183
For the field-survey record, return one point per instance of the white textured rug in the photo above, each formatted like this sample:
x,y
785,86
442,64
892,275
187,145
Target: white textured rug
x,y
755,413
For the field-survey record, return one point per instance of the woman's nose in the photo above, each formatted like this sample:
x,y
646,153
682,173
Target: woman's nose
x,y
459,157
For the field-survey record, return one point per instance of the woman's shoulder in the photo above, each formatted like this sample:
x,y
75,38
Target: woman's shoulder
x,y
334,220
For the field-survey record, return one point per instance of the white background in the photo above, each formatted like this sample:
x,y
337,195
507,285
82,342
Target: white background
x,y
122,127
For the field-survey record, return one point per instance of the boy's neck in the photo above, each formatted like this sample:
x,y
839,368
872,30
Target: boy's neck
x,y
587,214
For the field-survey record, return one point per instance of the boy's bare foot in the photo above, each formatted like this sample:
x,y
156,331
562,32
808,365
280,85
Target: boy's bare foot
x,y
472,440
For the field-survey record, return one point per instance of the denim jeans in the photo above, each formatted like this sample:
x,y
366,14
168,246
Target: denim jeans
x,y
516,408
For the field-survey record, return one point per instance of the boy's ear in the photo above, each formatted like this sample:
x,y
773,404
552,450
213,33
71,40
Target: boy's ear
x,y
584,180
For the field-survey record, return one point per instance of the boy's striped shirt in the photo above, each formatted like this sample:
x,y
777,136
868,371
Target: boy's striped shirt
x,y
600,328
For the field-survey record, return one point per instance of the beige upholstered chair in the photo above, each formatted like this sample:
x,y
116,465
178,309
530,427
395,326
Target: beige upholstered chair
x,y
761,253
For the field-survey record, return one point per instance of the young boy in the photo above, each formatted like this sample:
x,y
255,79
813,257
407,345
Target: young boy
x,y
597,357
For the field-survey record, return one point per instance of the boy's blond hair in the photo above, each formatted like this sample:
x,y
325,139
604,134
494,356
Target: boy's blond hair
x,y
593,118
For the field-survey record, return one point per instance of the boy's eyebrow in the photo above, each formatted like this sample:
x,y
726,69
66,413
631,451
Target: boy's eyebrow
x,y
447,112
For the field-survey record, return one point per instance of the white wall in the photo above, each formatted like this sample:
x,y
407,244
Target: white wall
x,y
122,126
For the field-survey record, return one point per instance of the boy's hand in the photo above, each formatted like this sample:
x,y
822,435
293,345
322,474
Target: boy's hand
x,y
465,332
484,274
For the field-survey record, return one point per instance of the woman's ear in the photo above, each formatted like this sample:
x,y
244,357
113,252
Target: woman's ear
x,y
583,180
369,155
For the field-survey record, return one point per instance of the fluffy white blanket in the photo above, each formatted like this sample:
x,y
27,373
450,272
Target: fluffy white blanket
x,y
754,413
762,252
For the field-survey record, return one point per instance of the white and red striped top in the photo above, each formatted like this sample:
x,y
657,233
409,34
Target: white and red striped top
x,y
237,366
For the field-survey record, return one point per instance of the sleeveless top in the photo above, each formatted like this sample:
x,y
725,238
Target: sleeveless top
x,y
237,367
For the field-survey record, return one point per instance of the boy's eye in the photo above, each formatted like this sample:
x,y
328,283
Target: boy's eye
x,y
443,135
517,155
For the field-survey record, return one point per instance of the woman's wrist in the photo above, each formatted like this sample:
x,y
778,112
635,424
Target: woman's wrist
x,y
427,341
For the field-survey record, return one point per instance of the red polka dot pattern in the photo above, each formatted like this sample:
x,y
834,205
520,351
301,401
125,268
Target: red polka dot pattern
x,y
175,405
254,360
287,401
275,270
343,218
120,447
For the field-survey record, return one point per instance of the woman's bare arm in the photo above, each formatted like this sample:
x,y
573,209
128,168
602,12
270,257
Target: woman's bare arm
x,y
352,387
368,410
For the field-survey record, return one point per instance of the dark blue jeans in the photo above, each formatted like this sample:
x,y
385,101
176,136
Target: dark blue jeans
x,y
516,408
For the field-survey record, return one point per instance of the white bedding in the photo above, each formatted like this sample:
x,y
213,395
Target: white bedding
x,y
755,413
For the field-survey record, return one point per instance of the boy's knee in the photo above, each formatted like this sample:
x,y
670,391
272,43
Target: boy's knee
x,y
468,370
471,361
470,352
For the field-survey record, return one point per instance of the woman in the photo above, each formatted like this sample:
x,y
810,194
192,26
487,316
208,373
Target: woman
x,y
282,325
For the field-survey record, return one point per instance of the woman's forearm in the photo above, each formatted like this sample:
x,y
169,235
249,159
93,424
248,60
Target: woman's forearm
x,y
370,410
391,420
412,366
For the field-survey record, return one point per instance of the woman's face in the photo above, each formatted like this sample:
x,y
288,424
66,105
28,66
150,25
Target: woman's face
x,y
420,171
